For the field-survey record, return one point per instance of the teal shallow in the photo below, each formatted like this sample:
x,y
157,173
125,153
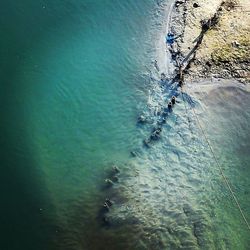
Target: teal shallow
x,y
74,77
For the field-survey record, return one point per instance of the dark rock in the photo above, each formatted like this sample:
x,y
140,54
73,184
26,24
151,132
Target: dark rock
x,y
115,169
115,178
179,2
173,100
146,142
235,44
196,5
165,114
162,121
163,76
205,24
170,105
142,119
133,153
109,183
208,63
109,202
105,207
156,134
156,65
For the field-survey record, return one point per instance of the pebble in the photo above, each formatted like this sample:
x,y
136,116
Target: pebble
x,y
196,5
235,44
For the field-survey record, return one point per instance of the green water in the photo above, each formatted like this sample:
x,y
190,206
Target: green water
x,y
74,77
69,72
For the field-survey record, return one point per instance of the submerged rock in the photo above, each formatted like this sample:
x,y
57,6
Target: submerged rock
x,y
142,119
146,142
115,178
156,134
115,169
109,183
170,105
134,153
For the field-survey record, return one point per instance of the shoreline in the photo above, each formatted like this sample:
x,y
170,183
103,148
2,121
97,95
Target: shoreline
x,y
220,50
130,207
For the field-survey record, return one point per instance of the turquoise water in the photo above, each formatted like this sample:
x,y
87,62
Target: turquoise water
x,y
74,77
70,86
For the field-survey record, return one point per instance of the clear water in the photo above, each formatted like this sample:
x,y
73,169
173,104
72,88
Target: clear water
x,y
74,77
176,196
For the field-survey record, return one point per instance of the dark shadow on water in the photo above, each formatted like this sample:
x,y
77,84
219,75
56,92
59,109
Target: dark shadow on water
x,y
23,224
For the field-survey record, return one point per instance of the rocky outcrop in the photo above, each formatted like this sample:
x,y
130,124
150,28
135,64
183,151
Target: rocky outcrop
x,y
224,47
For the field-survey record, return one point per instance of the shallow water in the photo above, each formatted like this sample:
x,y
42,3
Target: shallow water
x,y
74,79
176,196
